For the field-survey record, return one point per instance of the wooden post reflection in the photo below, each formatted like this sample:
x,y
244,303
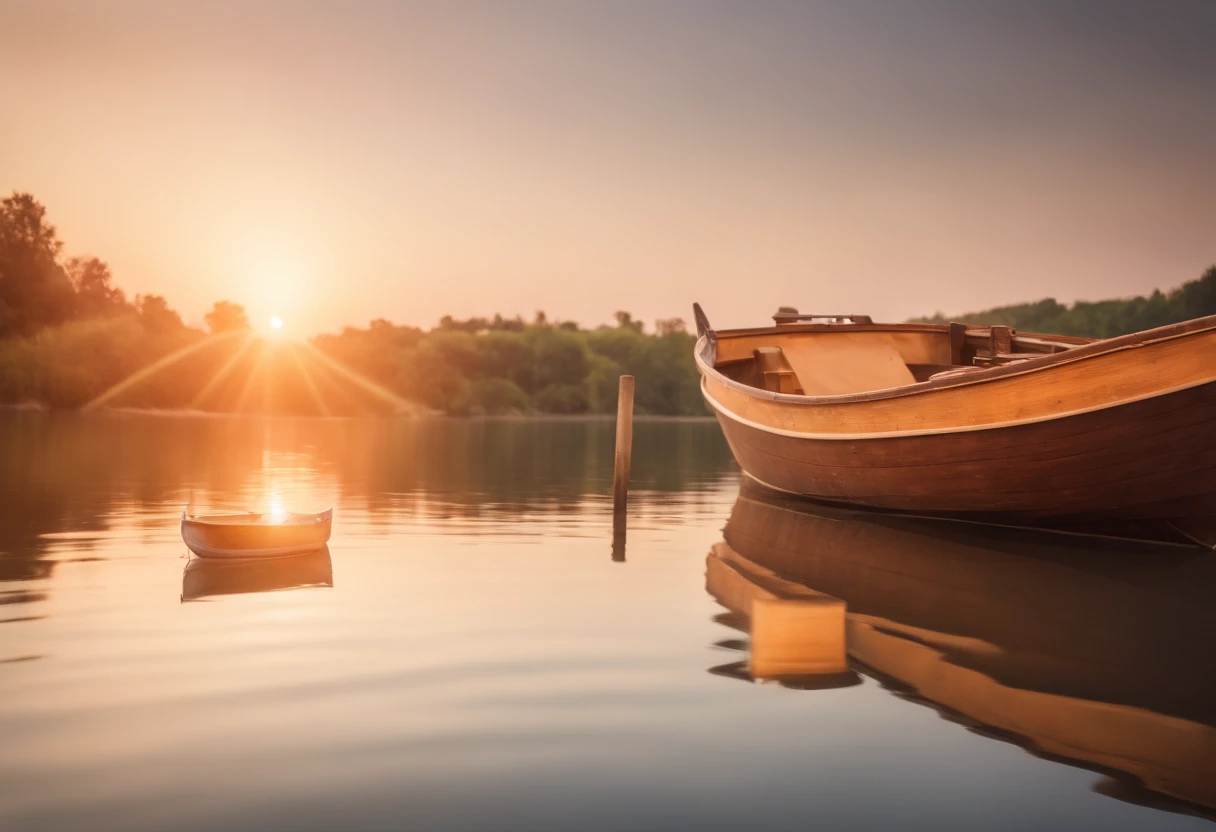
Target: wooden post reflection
x,y
618,538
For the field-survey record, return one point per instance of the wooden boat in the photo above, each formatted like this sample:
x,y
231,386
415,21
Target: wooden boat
x,y
983,422
256,535
210,577
1079,649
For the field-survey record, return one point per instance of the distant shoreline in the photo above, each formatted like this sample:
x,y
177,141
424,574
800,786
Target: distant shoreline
x,y
183,413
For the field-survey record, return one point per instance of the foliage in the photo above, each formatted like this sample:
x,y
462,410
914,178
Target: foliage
x,y
504,365
155,314
34,288
497,395
96,294
67,332
70,364
226,317
1101,319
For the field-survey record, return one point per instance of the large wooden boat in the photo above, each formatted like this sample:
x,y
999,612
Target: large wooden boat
x,y
983,422
1082,650
256,535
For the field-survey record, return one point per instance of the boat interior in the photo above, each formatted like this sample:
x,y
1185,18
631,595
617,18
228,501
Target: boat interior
x,y
832,355
253,519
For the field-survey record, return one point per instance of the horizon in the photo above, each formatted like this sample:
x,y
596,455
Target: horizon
x,y
403,162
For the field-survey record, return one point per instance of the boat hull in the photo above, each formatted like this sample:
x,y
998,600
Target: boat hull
x,y
1150,459
256,540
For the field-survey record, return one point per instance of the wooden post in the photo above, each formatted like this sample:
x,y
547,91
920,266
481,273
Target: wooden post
x,y
1002,340
624,444
958,342
620,473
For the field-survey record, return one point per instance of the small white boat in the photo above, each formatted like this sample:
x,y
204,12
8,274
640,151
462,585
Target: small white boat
x,y
256,535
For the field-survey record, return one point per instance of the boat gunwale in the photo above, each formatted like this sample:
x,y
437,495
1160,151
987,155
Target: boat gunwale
x,y
719,407
220,520
707,345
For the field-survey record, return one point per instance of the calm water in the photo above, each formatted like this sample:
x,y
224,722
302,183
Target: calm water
x,y
468,655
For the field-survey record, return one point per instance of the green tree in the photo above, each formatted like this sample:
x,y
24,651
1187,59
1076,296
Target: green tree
x,y
96,294
427,378
498,395
225,317
558,357
488,365
377,351
156,315
34,290
624,320
1104,318
562,398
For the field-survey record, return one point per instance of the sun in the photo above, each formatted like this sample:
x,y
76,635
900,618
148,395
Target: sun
x,y
276,323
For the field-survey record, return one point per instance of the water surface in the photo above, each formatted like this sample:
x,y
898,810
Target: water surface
x,y
468,655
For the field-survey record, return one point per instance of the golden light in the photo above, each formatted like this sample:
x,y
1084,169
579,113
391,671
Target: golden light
x,y
276,511
276,323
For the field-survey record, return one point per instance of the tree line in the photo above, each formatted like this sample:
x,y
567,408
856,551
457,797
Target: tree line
x,y
1100,319
68,333
502,365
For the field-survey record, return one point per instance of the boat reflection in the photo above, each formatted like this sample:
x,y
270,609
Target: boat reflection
x,y
797,634
209,577
1091,651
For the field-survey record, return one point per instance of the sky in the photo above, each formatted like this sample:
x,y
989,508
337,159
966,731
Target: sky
x,y
337,162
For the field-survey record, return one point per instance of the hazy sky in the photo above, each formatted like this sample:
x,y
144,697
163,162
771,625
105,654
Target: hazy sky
x,y
335,162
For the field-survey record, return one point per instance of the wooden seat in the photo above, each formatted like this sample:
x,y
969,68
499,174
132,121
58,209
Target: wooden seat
x,y
839,363
774,372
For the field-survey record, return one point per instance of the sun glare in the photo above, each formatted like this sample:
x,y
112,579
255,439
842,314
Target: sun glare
x,y
276,323
276,511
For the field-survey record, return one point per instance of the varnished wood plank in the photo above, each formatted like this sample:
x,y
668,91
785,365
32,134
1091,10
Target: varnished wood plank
x,y
831,366
1099,381
1062,466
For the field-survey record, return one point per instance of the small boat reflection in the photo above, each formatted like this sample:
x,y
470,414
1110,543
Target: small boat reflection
x,y
207,577
1093,652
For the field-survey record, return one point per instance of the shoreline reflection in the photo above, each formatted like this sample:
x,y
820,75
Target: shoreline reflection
x,y
1080,651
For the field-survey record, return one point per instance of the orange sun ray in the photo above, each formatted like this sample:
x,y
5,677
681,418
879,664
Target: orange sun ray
x,y
399,404
258,369
222,373
308,380
153,368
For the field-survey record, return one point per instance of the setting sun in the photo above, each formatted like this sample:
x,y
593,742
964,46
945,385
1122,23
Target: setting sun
x,y
276,323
